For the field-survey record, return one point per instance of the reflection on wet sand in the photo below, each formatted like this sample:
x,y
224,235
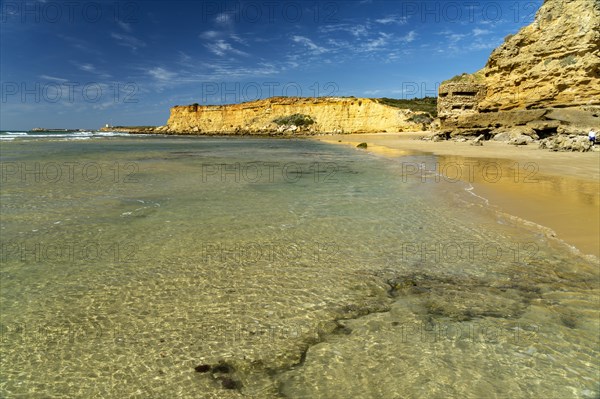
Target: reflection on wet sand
x,y
519,182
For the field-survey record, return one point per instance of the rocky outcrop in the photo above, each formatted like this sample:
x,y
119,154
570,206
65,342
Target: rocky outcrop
x,y
571,142
542,81
329,115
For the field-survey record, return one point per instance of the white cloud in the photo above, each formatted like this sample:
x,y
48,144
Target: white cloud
x,y
124,25
378,92
238,39
91,69
53,78
455,37
392,19
485,45
224,19
80,44
356,30
184,57
128,41
221,48
479,32
410,37
161,74
378,43
87,67
315,49
210,34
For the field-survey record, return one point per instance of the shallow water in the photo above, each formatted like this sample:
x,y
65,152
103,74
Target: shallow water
x,y
312,271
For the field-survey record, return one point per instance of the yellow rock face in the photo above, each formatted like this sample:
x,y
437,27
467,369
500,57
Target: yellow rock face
x,y
554,62
339,115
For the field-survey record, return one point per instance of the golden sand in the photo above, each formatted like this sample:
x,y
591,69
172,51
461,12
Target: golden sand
x,y
557,190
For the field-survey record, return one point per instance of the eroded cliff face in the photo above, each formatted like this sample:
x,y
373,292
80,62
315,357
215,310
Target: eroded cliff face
x,y
331,115
554,62
543,80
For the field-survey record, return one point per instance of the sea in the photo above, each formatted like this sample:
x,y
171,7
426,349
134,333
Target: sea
x,y
140,266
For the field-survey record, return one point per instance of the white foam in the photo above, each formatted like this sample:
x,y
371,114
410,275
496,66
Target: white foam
x,y
76,138
470,191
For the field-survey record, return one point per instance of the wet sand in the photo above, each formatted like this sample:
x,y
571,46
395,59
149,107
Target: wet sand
x,y
557,190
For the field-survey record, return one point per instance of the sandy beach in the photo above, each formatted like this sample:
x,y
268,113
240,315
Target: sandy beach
x,y
557,190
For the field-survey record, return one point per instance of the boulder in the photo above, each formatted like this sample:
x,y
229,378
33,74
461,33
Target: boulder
x,y
567,143
504,137
507,133
521,140
478,141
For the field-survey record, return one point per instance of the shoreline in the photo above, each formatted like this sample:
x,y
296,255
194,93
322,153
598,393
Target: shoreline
x,y
559,191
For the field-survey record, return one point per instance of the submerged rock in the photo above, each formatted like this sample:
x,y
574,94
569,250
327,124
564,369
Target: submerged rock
x,y
230,383
202,368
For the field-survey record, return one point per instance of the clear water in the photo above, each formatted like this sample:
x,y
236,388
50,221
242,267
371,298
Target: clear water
x,y
312,271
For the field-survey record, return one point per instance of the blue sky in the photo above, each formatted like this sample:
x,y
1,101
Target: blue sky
x,y
82,64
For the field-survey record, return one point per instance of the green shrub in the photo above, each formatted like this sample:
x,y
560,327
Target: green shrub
x,y
421,118
296,119
425,104
568,60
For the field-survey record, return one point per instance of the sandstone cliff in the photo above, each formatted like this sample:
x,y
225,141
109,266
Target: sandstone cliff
x,y
554,62
330,115
543,80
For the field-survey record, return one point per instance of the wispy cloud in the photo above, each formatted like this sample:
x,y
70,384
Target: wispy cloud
x,y
386,91
238,39
479,32
453,37
53,78
224,18
409,37
125,26
162,74
392,19
200,71
80,44
184,57
312,47
221,48
128,41
378,43
475,40
90,68
210,34
355,30
87,67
